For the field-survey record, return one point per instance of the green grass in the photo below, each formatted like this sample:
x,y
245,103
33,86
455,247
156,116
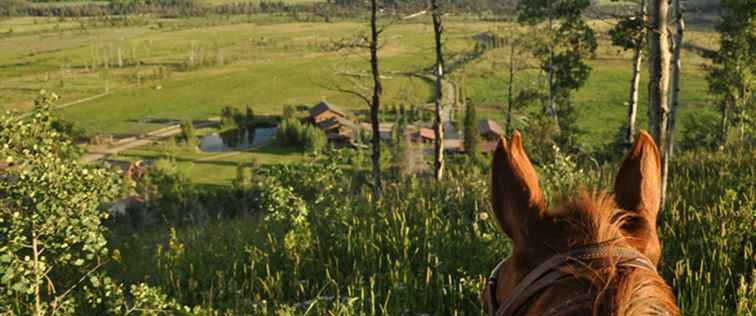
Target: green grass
x,y
215,168
425,247
269,64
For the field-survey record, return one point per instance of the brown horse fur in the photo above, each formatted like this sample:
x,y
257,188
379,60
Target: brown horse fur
x,y
626,218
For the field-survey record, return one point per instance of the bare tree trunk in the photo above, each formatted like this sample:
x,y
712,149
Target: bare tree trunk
x,y
510,85
659,60
724,126
438,126
658,86
552,106
632,103
37,274
376,101
674,96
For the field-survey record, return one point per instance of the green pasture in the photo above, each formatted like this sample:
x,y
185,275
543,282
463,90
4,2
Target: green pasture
x,y
214,62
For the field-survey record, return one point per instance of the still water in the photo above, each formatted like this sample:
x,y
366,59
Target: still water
x,y
236,139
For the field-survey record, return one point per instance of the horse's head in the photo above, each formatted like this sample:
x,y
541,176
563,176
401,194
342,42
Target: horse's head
x,y
595,254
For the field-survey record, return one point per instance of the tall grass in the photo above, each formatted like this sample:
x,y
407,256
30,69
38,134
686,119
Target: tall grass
x,y
317,244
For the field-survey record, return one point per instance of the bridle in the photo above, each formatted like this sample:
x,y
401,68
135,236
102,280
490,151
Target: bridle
x,y
549,272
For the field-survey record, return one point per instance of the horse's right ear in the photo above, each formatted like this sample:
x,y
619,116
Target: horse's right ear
x,y
637,188
515,194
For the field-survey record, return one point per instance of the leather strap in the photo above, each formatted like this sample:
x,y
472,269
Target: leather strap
x,y
548,273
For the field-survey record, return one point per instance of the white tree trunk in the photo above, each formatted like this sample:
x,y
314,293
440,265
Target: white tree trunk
x,y
674,97
510,87
659,61
632,103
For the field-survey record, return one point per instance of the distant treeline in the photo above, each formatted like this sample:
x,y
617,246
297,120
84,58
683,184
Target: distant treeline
x,y
190,8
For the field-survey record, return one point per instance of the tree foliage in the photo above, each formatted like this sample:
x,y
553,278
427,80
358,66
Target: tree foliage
x,y
731,75
564,49
472,132
188,135
52,241
627,32
291,132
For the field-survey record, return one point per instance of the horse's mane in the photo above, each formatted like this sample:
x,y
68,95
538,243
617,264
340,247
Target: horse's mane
x,y
593,218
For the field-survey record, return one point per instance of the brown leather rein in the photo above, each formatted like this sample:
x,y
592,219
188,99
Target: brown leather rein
x,y
549,272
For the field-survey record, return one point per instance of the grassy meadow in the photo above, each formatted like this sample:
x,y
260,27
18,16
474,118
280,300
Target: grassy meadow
x,y
241,61
315,243
193,67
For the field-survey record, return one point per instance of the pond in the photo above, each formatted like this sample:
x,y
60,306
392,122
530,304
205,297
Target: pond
x,y
236,139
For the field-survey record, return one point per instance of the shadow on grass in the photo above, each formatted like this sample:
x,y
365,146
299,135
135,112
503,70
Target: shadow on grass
x,y
273,149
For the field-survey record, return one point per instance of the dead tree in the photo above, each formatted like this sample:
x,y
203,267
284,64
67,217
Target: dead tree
x,y
438,125
375,103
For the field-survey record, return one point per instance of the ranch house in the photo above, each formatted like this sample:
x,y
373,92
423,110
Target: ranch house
x,y
339,129
324,111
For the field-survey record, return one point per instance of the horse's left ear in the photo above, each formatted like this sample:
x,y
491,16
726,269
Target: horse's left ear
x,y
515,194
637,189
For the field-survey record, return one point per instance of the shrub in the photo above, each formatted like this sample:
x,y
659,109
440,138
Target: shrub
x,y
290,132
231,117
167,192
187,135
699,132
74,131
472,132
314,139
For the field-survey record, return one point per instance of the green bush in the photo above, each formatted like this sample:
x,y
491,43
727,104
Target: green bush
x,y
167,193
53,242
188,135
699,132
291,132
314,139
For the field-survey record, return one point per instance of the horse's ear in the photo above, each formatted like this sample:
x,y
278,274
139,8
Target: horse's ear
x,y
637,188
638,183
515,193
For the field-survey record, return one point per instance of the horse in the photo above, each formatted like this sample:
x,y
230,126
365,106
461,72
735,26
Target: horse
x,y
594,254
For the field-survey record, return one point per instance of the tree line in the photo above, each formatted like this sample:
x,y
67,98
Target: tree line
x,y
164,8
189,8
